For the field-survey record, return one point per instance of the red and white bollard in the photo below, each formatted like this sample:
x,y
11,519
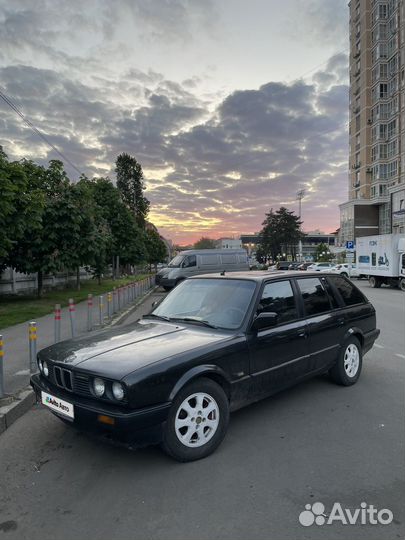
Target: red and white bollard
x,y
72,316
57,322
89,312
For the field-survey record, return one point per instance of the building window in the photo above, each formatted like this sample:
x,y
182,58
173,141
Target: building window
x,y
392,148
392,129
383,90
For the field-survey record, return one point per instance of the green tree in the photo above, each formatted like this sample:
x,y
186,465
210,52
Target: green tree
x,y
280,234
20,209
156,250
322,253
130,182
126,239
205,243
79,240
39,250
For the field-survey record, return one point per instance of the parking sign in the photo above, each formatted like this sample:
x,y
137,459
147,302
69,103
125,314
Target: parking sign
x,y
350,244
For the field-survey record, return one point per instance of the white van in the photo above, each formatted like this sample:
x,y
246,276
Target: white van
x,y
201,261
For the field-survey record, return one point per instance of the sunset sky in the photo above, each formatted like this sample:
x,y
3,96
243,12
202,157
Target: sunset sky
x,y
230,106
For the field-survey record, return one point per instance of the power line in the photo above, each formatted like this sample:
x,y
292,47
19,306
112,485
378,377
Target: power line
x,y
13,106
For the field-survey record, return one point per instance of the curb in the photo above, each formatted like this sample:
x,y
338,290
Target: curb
x,y
20,404
122,316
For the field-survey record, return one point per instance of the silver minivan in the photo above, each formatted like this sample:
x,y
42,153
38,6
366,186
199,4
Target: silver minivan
x,y
201,261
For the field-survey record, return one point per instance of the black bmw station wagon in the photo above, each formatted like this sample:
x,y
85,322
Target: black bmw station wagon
x,y
214,344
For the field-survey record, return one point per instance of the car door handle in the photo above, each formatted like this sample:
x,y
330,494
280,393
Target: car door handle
x,y
303,334
341,321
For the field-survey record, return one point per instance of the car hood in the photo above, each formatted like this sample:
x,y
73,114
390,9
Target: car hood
x,y
117,352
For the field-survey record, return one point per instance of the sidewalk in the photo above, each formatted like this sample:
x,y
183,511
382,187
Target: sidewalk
x,y
16,345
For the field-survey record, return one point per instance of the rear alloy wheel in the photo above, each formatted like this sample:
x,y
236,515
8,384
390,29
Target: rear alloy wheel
x,y
402,284
347,369
197,421
375,283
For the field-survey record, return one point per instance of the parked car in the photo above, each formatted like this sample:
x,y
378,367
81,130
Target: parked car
x,y
214,344
343,269
193,262
304,266
283,265
317,267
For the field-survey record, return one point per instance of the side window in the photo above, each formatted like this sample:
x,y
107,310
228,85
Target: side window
x,y
191,260
334,302
350,294
314,296
374,259
279,298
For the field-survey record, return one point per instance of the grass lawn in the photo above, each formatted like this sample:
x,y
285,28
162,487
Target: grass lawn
x,y
17,309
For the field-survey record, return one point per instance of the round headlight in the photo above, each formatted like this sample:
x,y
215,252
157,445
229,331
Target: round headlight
x,y
99,387
45,369
41,368
118,390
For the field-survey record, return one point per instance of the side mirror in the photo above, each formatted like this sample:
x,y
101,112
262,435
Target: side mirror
x,y
265,320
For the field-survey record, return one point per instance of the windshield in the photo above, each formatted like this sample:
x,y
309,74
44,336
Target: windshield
x,y
176,262
219,302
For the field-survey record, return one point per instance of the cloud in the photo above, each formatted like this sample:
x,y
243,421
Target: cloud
x,y
219,173
213,164
320,21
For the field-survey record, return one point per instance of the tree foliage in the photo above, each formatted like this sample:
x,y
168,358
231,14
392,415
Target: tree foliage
x,y
280,234
130,183
48,224
156,250
21,205
322,253
205,243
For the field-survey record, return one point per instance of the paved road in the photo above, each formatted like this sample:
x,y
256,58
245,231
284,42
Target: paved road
x,y
316,442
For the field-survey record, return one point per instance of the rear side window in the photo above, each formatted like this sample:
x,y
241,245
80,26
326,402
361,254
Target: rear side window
x,y
350,294
279,298
228,258
209,260
314,296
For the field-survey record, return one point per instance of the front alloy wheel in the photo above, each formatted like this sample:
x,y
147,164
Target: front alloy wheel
x,y
197,421
347,369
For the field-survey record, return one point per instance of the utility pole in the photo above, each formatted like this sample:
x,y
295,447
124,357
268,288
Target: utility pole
x,y
300,196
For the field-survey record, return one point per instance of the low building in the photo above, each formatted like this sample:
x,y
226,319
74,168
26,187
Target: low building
x,y
228,243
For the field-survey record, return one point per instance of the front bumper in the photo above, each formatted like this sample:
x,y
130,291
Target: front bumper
x,y
164,281
127,425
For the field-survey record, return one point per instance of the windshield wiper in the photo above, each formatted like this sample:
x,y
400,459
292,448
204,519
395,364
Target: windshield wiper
x,y
162,317
194,319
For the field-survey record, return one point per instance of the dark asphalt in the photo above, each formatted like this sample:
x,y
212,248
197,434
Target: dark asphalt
x,y
315,442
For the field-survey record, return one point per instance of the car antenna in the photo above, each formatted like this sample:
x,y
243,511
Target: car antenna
x,y
222,273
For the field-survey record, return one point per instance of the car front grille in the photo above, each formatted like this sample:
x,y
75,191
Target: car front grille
x,y
71,381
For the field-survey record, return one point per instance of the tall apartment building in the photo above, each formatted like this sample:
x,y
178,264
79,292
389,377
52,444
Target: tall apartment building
x,y
376,202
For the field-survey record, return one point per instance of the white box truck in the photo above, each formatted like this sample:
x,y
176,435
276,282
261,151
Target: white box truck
x,y
382,259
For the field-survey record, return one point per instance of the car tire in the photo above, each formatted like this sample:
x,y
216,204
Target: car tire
x,y
188,435
402,284
344,274
375,283
347,368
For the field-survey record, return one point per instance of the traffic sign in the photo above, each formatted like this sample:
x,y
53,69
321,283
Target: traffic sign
x,y
350,256
350,244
